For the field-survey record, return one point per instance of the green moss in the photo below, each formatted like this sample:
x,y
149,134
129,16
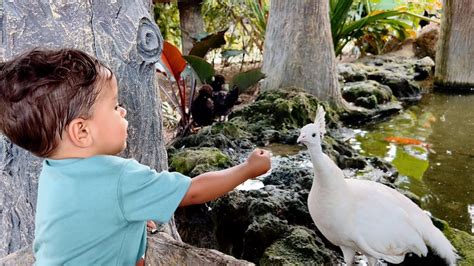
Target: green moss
x,y
300,247
462,241
196,161
464,244
230,129
282,109
367,93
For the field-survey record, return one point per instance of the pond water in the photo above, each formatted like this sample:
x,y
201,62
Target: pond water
x,y
432,146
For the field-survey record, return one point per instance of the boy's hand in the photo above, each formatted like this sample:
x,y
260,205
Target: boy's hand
x,y
259,162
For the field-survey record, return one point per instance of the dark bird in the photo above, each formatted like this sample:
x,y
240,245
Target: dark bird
x,y
423,22
224,101
202,108
217,82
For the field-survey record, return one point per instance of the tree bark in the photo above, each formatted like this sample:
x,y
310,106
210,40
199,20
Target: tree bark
x,y
455,53
121,34
191,21
299,51
162,250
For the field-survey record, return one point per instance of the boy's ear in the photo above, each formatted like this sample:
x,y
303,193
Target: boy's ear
x,y
79,133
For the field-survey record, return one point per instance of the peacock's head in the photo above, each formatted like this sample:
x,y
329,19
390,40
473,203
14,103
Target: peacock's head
x,y
312,134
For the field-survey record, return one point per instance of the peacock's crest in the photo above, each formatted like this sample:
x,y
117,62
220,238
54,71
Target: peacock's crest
x,y
319,121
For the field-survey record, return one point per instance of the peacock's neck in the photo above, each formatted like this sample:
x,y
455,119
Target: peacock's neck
x,y
327,174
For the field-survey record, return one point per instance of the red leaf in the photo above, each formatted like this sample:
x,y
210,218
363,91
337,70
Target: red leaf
x,y
173,60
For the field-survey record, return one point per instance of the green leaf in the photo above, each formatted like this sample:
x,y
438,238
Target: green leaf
x,y
246,79
201,67
208,43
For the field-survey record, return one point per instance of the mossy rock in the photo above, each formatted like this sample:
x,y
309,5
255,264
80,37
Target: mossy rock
x,y
300,247
462,241
282,109
220,135
367,94
193,162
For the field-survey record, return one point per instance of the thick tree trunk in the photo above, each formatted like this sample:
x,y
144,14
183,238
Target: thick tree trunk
x,y
299,51
120,33
162,250
455,53
191,22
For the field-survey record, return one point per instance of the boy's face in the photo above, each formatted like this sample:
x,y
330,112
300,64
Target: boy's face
x,y
109,126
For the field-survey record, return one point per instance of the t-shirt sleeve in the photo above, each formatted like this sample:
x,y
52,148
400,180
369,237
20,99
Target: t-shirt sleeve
x,y
145,194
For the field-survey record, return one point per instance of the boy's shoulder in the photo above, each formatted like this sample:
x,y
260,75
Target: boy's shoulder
x,y
100,161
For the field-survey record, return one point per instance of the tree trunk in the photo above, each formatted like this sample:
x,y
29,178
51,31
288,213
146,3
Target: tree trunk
x,y
455,53
190,19
299,51
162,250
120,33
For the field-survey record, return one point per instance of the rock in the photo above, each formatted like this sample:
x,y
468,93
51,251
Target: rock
x,y
351,72
424,68
193,162
219,135
376,92
265,229
300,247
402,87
462,241
425,43
282,109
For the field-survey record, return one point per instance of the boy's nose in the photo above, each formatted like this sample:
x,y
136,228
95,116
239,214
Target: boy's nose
x,y
123,111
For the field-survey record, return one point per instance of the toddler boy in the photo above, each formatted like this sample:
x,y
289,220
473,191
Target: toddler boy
x,y
62,105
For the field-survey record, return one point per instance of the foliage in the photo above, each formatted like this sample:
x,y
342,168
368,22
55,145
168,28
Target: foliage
x,y
245,80
206,72
246,19
167,19
376,27
203,69
175,66
209,42
374,30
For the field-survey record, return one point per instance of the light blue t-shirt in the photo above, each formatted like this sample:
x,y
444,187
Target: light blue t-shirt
x,y
93,211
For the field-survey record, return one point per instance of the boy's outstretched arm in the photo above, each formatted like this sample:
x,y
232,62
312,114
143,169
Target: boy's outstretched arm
x,y
211,185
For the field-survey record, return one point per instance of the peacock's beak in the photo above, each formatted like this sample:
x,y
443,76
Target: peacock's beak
x,y
300,138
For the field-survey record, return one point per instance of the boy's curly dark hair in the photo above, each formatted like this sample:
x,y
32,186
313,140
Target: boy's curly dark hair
x,y
42,91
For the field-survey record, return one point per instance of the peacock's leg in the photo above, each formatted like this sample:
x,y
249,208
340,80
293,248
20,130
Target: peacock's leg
x,y
349,255
371,260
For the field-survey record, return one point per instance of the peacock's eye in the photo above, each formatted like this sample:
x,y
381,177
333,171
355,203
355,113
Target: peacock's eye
x,y
314,135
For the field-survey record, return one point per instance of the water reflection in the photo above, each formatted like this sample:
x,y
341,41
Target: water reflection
x,y
432,147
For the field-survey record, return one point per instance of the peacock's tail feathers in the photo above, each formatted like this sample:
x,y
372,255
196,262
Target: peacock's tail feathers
x,y
440,245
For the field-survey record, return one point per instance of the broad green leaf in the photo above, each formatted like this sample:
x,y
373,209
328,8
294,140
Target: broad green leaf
x,y
203,69
208,43
246,79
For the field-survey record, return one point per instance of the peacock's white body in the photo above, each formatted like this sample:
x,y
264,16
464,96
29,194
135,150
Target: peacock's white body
x,y
365,216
